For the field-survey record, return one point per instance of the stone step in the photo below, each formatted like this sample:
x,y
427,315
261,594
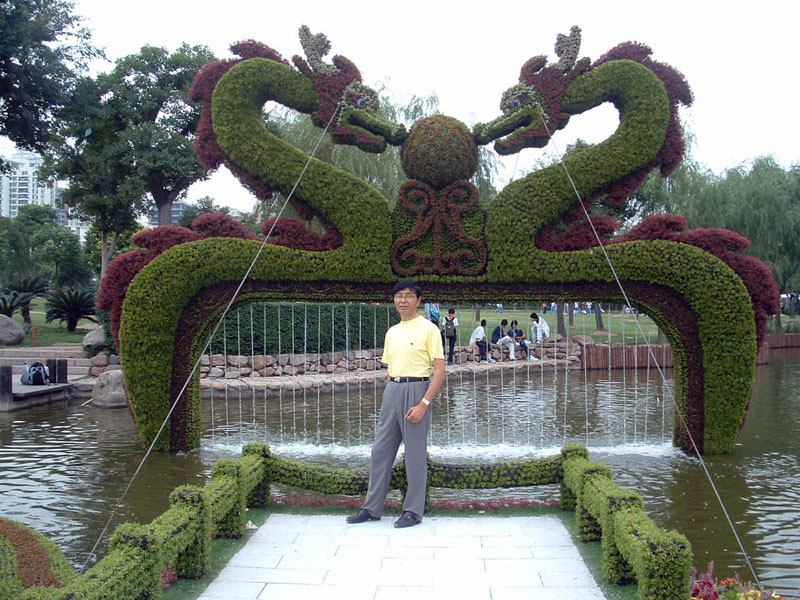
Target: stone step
x,y
33,354
73,370
78,362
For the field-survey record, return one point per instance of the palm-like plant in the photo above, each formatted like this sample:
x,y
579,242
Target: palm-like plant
x,y
10,302
36,285
71,306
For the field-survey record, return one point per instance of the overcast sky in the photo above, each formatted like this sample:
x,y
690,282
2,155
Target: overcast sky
x,y
739,58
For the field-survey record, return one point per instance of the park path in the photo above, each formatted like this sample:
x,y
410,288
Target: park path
x,y
301,557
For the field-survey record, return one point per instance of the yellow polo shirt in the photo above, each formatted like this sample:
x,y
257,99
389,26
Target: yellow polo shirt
x,y
410,348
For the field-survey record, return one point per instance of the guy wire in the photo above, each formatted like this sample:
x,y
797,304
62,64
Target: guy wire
x,y
210,337
650,351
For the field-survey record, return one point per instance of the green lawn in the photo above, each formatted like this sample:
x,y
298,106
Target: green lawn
x,y
49,334
619,326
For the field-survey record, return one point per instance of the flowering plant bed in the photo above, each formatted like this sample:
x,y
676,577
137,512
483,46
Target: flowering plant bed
x,y
707,587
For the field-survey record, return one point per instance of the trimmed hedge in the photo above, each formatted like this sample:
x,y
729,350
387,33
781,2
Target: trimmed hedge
x,y
29,561
276,328
633,547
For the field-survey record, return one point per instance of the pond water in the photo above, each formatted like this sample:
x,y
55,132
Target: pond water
x,y
65,468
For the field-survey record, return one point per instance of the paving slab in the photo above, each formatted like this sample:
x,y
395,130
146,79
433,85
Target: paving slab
x,y
483,558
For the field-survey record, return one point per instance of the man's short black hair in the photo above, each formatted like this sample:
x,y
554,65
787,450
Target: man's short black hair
x,y
504,322
451,311
407,283
534,316
483,322
514,323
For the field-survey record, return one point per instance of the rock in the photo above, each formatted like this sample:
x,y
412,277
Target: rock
x,y
362,354
101,360
217,360
257,362
113,359
205,360
109,391
94,341
232,374
11,332
583,340
96,371
216,372
237,360
108,368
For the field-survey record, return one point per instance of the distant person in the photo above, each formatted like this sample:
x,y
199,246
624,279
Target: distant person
x,y
517,336
478,340
431,309
499,308
499,338
540,330
451,332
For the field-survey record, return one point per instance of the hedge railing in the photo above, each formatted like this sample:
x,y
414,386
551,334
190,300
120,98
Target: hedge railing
x,y
634,548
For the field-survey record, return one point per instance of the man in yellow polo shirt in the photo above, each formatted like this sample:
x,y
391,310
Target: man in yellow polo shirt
x,y
410,349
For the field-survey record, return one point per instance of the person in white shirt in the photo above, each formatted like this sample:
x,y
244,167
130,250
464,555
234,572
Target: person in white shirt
x,y
478,338
540,330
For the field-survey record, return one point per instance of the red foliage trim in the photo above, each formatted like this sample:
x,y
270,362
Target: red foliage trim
x,y
756,276
123,269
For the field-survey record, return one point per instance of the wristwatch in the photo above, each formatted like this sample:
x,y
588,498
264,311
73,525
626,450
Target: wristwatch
x,y
426,402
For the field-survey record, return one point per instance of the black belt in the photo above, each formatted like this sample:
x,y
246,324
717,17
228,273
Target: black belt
x,y
408,379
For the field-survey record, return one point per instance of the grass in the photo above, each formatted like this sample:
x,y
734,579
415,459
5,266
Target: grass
x,y
48,334
620,327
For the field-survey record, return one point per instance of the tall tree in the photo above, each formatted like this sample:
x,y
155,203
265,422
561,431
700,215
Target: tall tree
x,y
202,206
761,202
43,49
146,97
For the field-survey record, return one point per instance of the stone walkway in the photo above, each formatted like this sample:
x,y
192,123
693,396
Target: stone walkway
x,y
317,557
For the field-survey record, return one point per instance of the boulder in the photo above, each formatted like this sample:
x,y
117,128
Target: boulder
x,y
583,340
11,332
101,360
109,391
94,341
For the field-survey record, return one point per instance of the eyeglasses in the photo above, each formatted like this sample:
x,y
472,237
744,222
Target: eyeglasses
x,y
405,296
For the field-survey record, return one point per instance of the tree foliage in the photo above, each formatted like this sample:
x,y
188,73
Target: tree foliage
x,y
71,306
43,49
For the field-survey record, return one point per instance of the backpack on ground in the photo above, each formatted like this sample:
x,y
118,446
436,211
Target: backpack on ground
x,y
34,374
449,327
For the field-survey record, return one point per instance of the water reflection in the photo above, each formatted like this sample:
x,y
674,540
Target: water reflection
x,y
64,468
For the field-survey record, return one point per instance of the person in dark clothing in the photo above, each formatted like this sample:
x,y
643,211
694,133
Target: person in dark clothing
x,y
517,336
451,332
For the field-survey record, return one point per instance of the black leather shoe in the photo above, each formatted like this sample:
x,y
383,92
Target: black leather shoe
x,y
408,519
361,516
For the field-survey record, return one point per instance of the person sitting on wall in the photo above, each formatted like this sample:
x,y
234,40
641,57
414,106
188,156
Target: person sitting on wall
x,y
501,339
478,340
517,336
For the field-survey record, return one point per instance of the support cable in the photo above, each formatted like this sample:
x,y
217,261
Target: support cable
x,y
210,337
651,353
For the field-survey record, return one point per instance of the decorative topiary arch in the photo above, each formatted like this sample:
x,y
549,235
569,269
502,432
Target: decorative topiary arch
x,y
711,301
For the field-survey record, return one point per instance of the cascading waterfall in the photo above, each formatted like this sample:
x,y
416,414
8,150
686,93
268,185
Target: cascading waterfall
x,y
506,409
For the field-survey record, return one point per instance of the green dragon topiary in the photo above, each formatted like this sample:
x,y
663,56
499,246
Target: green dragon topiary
x,y
534,242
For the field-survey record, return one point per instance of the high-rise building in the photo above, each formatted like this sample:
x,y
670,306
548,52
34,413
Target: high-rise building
x,y
21,186
178,208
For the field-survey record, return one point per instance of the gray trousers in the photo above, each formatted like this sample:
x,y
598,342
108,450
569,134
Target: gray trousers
x,y
393,427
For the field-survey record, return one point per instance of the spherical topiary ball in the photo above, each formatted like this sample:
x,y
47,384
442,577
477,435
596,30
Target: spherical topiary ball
x,y
438,151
